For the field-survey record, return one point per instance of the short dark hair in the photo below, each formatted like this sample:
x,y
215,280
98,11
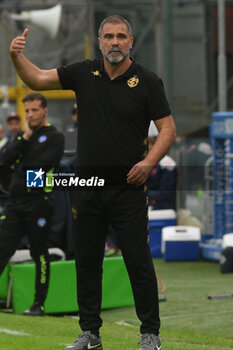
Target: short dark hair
x,y
36,96
115,19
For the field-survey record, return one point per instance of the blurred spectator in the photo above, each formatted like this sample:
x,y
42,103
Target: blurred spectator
x,y
14,126
161,183
14,129
197,152
3,138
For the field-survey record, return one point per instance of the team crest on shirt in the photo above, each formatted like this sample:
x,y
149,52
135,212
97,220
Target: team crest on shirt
x,y
132,82
74,213
41,222
42,138
96,73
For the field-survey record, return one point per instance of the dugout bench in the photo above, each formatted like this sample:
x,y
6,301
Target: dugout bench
x,y
62,297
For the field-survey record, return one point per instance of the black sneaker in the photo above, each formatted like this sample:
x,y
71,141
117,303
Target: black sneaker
x,y
150,341
35,310
86,341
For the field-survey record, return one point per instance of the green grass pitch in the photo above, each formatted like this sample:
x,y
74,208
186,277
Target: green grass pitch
x,y
189,320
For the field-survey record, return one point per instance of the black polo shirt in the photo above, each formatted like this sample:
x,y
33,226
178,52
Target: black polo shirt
x,y
113,115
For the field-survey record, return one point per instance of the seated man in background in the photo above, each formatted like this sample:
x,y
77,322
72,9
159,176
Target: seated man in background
x,y
161,183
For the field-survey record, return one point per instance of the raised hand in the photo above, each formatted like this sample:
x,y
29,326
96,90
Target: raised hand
x,y
18,44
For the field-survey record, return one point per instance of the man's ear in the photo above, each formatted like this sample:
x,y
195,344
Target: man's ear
x,y
131,43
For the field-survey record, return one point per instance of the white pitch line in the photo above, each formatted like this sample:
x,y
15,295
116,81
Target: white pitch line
x,y
75,317
123,323
9,331
193,315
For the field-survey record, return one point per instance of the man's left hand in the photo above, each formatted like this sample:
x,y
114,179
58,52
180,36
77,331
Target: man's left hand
x,y
139,173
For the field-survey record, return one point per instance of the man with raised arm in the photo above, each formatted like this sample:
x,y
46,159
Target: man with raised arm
x,y
117,99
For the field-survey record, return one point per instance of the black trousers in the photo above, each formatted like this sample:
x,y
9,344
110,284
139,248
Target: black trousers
x,y
126,211
30,216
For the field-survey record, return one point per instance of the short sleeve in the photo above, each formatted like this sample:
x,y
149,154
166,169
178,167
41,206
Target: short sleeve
x,y
158,106
71,75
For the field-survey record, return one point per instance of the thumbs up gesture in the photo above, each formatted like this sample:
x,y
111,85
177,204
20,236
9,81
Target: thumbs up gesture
x,y
18,44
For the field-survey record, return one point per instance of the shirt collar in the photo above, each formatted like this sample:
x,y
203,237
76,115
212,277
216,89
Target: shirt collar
x,y
99,65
